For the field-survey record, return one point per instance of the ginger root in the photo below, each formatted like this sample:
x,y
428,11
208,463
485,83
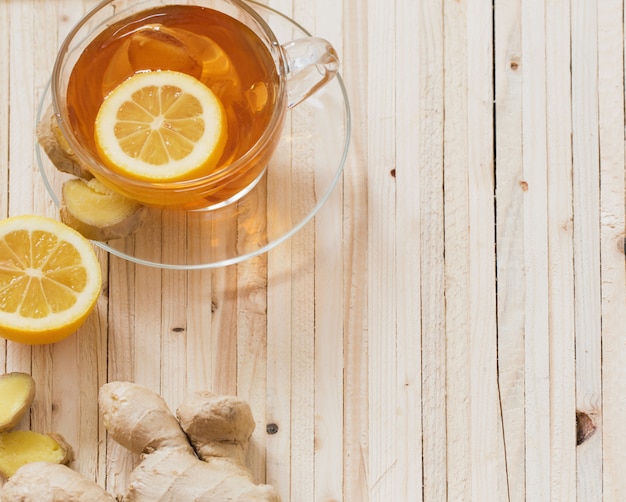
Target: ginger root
x,y
219,428
17,392
56,147
88,206
98,212
18,448
43,481
196,456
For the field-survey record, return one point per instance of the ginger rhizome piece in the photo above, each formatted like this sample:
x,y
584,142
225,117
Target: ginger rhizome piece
x,y
57,148
88,206
43,481
18,448
98,212
17,392
196,456
219,428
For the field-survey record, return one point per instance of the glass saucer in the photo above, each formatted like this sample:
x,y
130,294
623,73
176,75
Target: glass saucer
x,y
304,171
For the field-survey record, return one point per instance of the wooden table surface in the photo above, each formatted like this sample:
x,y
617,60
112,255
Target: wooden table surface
x,y
438,328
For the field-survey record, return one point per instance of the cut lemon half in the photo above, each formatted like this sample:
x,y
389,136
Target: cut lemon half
x,y
161,126
50,279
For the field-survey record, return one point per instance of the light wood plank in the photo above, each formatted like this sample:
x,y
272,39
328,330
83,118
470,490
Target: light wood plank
x,y
485,430
5,46
302,368
44,40
93,351
21,71
302,318
421,348
279,329
585,154
329,294
535,234
120,361
147,329
561,254
199,313
303,296
278,408
329,291
223,331
456,199
252,329
329,356
355,252
476,449
509,68
290,323
5,81
384,437
22,75
174,350
612,244
173,341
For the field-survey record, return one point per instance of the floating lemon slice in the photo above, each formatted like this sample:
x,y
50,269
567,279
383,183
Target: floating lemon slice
x,y
50,279
161,126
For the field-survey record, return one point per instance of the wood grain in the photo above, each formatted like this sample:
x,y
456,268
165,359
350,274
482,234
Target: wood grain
x,y
436,330
612,243
586,203
561,320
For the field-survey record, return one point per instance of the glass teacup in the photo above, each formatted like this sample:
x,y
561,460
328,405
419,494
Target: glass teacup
x,y
223,43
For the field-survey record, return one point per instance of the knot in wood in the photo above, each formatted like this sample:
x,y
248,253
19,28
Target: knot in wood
x,y
584,427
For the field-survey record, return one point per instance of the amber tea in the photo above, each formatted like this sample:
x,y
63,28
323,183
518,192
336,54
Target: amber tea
x,y
214,48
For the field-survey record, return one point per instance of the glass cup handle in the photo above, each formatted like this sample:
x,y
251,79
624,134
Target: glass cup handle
x,y
311,63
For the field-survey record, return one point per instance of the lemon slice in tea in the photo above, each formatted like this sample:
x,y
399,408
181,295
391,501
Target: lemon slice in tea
x,y
50,279
161,126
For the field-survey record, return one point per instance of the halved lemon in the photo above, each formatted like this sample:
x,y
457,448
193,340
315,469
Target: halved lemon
x,y
161,126
50,279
